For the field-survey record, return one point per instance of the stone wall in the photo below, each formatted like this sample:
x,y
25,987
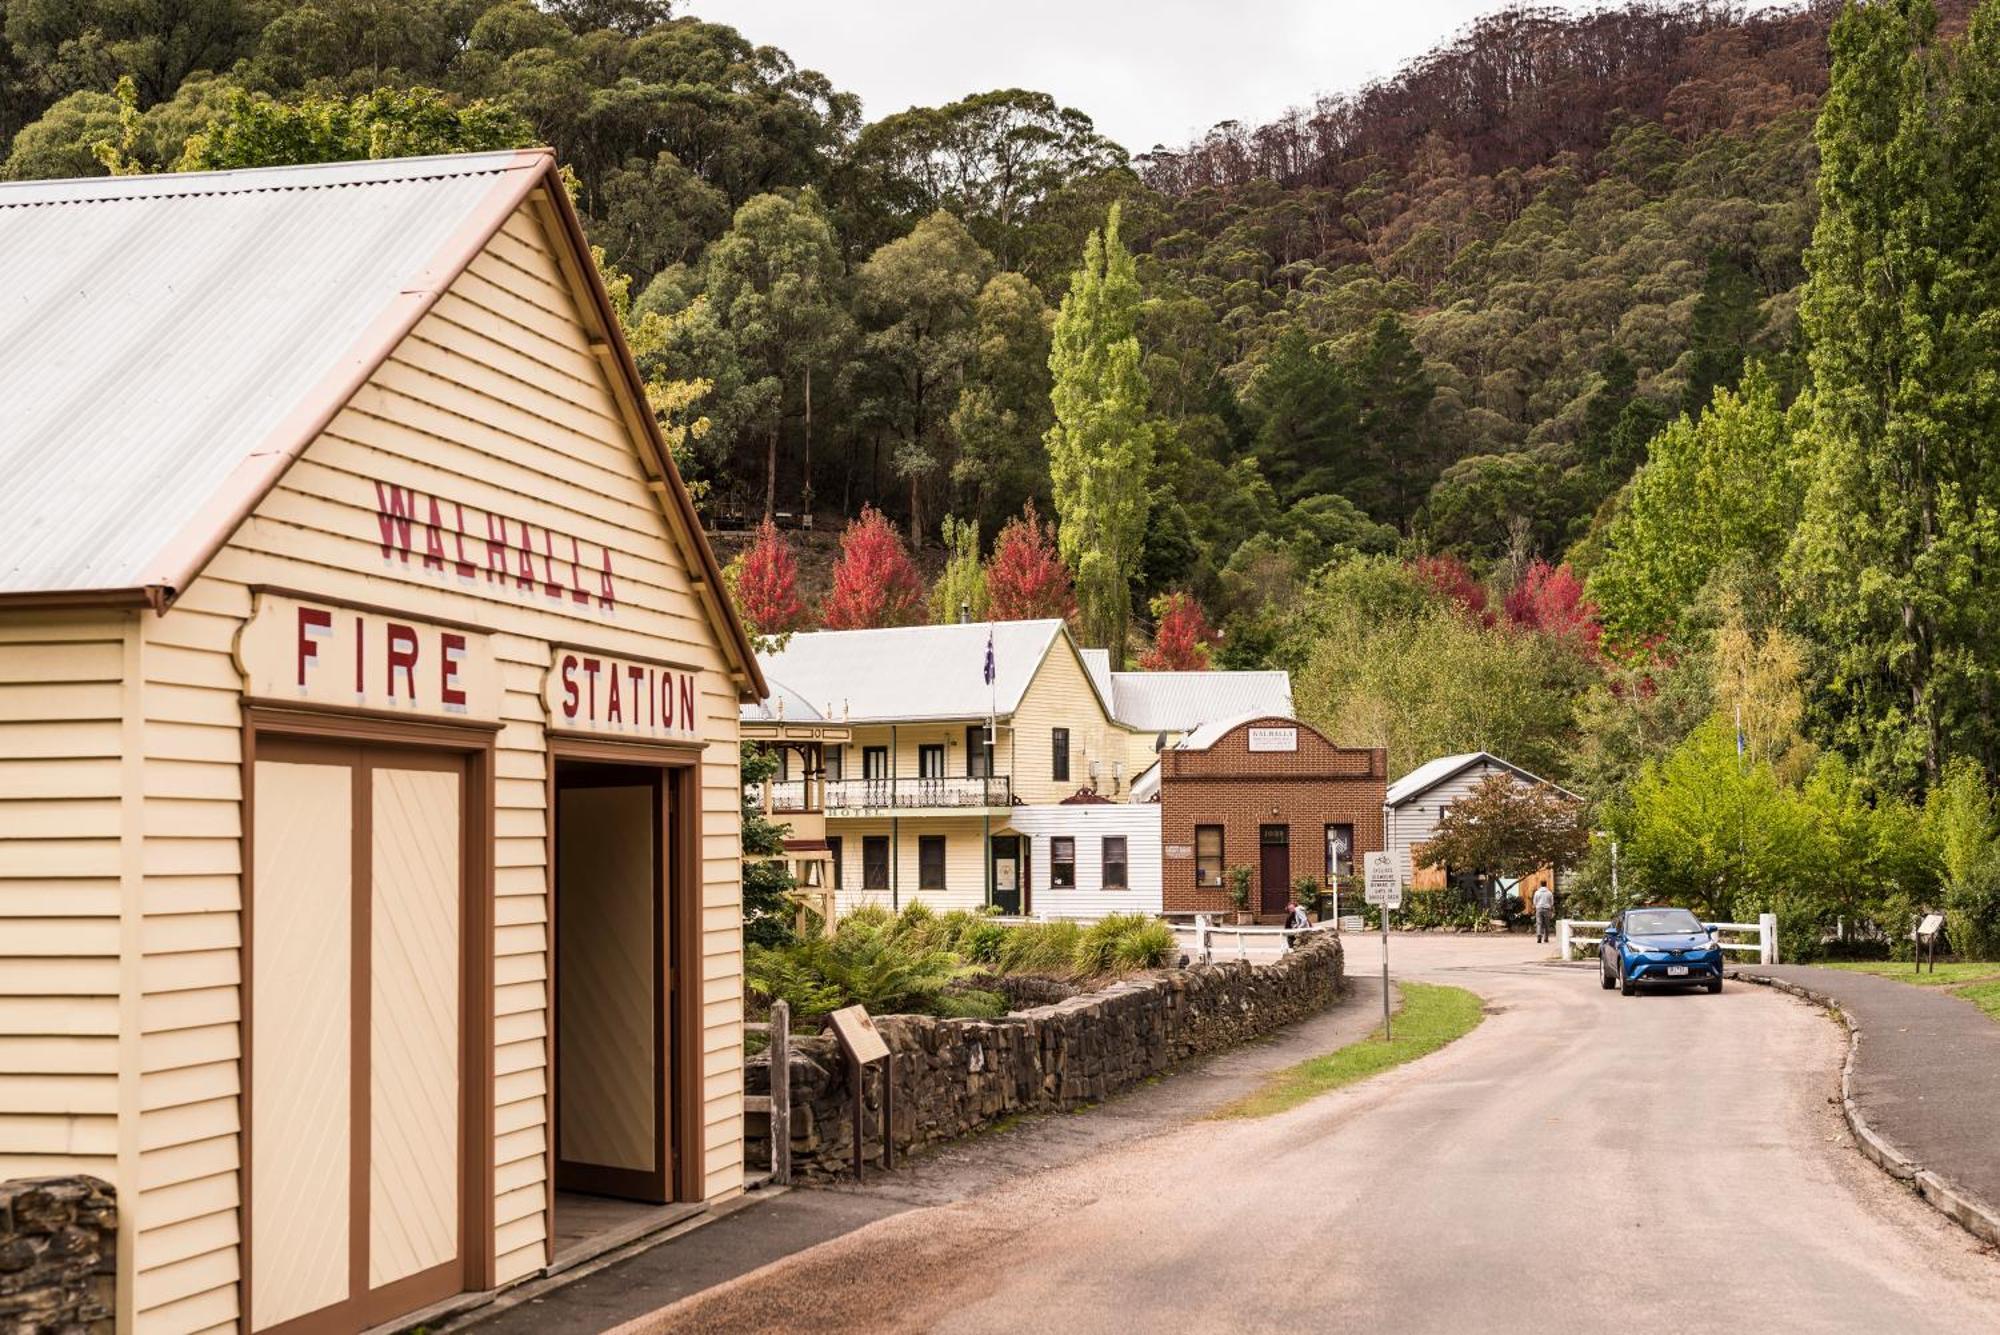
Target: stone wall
x,y
58,1255
954,1076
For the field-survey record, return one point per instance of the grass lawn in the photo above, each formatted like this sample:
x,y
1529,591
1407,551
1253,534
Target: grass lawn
x,y
1431,1017
1978,981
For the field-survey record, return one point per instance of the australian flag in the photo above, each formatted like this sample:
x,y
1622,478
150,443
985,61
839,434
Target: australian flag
x,y
989,655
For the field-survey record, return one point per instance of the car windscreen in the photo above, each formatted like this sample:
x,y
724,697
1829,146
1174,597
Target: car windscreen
x,y
1662,922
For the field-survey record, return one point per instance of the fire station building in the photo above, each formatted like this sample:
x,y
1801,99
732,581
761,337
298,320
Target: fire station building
x,y
369,860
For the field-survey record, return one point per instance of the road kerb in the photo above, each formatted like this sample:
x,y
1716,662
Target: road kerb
x,y
1936,1191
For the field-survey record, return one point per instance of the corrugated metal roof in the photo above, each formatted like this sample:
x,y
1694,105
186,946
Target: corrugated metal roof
x,y
1434,772
1208,734
1097,662
783,704
162,336
1181,701
907,673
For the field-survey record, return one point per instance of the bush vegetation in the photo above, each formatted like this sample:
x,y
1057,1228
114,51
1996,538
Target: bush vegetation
x,y
920,960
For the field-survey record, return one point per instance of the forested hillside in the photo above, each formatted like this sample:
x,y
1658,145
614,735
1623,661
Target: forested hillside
x,y
1611,391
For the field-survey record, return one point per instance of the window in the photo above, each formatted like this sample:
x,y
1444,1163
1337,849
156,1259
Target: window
x,y
833,856
1062,863
874,762
930,862
930,761
1208,855
1339,851
784,764
833,762
1114,862
875,862
1059,755
978,753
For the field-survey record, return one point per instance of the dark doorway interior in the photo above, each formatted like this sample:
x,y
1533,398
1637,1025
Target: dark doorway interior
x,y
1008,873
1274,867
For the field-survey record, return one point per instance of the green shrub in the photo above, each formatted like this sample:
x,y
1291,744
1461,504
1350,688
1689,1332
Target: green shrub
x,y
1097,948
970,1003
866,961
1045,948
1151,945
982,942
1972,910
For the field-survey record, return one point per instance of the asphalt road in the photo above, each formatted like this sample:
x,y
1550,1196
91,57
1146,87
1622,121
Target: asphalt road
x,y
1580,1162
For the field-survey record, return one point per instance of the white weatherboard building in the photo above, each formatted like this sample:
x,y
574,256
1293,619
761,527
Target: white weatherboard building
x,y
1416,802
920,802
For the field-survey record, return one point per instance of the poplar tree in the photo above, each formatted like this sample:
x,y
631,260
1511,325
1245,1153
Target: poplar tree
x,y
1101,445
1901,524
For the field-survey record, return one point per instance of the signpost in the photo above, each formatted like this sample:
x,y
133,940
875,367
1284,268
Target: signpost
x,y
864,1045
1384,891
1927,935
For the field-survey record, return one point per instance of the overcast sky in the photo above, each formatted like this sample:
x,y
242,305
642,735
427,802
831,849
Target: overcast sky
x,y
1147,71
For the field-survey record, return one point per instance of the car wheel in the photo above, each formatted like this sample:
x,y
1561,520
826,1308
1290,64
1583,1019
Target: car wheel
x,y
1714,985
1624,983
1604,978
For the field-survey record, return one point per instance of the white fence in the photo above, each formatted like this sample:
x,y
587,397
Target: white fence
x,y
1574,932
1205,933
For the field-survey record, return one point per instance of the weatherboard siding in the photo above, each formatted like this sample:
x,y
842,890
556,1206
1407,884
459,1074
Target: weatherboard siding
x,y
1138,823
495,400
67,815
1412,824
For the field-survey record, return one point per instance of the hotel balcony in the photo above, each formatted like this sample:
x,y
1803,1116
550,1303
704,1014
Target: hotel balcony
x,y
860,797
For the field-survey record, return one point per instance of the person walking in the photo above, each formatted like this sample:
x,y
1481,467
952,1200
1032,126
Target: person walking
x,y
1545,912
1295,922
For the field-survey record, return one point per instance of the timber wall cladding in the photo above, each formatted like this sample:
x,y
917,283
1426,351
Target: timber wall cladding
x,y
494,400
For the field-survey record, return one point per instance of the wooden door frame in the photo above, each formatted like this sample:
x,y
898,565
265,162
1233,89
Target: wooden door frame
x,y
681,781
601,1179
282,728
1263,864
1020,868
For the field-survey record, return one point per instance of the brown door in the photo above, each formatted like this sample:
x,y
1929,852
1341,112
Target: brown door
x,y
362,1035
613,1120
1274,867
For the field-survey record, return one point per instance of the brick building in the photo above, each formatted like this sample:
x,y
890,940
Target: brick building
x,y
1266,792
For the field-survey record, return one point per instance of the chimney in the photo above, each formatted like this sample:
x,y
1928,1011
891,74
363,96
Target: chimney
x,y
964,611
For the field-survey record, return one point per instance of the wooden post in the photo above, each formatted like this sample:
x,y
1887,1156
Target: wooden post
x,y
855,1071
889,1112
781,1093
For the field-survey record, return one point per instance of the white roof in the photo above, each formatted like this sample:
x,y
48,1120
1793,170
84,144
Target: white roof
x,y
1097,662
1181,701
911,673
782,704
163,338
1208,734
1434,772
1146,783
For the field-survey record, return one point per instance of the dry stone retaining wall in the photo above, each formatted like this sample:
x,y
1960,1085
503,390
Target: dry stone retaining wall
x,y
58,1255
954,1076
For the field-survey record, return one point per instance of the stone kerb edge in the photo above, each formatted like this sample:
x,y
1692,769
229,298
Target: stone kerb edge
x,y
1953,1202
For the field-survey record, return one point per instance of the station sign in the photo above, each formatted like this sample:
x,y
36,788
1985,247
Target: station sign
x,y
588,690
296,649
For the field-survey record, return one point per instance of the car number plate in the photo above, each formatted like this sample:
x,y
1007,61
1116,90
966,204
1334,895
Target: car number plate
x,y
1677,970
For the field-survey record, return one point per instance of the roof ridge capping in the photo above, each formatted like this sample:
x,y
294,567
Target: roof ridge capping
x,y
260,180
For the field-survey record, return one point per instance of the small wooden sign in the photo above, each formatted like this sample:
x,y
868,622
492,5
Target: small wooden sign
x,y
337,655
855,1028
1932,924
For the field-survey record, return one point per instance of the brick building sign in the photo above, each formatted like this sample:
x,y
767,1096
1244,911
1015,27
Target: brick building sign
x,y
1273,795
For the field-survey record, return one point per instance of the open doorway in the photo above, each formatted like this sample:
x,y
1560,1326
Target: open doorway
x,y
615,941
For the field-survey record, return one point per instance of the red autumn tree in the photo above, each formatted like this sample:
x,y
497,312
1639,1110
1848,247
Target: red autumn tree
x,y
1550,599
1452,579
767,582
874,582
1181,643
1025,578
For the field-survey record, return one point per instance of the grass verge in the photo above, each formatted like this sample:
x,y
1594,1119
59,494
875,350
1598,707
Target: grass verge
x,y
1432,1016
1978,981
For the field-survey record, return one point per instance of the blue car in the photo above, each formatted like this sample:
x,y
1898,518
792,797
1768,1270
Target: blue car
x,y
1659,947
